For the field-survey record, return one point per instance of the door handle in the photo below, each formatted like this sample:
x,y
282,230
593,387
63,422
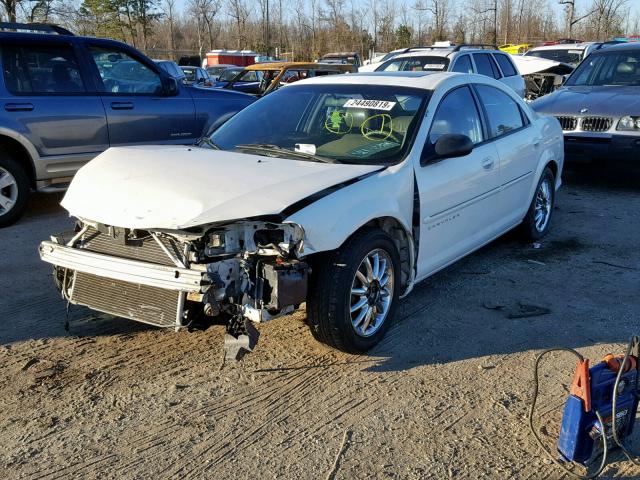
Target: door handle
x,y
121,106
487,163
18,107
536,142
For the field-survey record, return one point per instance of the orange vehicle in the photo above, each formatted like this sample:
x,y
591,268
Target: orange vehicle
x,y
263,78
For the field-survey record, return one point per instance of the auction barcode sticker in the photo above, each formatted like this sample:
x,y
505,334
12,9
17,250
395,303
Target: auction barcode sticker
x,y
372,104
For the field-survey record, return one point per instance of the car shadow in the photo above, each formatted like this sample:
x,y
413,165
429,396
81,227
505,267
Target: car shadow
x,y
575,288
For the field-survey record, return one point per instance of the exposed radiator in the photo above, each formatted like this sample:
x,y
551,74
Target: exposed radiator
x,y
152,305
144,250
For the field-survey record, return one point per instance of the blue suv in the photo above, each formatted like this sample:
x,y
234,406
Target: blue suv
x,y
65,98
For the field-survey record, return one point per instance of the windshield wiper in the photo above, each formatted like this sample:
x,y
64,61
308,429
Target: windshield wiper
x,y
207,141
277,149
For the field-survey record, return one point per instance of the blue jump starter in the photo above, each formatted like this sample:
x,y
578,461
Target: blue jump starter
x,y
592,390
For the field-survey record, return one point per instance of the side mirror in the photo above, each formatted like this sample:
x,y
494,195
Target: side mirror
x,y
449,145
169,86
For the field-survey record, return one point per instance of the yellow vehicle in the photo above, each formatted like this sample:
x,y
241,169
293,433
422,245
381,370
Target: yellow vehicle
x,y
263,78
514,49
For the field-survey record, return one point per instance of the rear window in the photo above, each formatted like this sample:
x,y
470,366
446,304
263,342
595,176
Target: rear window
x,y
486,65
415,64
505,65
41,69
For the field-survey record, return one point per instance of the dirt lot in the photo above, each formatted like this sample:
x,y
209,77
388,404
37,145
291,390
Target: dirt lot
x,y
445,395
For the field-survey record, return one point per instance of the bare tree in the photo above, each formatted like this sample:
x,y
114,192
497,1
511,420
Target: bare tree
x,y
239,12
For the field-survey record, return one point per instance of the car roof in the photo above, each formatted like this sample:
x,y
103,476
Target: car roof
x,y
296,65
421,80
563,46
626,46
442,52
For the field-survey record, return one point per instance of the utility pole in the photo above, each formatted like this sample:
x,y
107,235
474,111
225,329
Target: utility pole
x,y
268,39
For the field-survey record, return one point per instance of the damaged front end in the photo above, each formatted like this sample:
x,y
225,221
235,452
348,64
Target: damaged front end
x,y
233,273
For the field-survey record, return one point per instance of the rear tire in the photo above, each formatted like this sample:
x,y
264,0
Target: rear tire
x,y
538,219
349,306
14,190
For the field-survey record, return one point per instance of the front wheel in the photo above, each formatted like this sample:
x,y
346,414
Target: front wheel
x,y
14,190
354,292
536,223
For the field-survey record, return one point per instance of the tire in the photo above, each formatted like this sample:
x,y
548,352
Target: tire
x,y
330,296
534,227
14,190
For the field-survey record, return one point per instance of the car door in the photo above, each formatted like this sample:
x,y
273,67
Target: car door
x,y
458,196
518,150
137,110
53,103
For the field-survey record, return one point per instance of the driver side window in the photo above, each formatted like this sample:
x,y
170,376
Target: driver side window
x,y
457,113
124,75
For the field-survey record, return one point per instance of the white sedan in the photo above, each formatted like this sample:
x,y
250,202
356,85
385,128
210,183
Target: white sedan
x,y
341,192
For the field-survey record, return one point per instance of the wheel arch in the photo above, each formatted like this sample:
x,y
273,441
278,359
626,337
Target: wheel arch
x,y
401,237
21,151
403,241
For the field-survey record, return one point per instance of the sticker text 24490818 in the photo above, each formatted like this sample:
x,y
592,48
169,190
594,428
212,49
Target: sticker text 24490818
x,y
372,104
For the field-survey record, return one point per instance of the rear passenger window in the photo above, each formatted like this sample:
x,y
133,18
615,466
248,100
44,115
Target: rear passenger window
x,y
503,112
41,69
463,65
505,65
486,65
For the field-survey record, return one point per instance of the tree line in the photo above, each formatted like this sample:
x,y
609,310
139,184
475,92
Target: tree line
x,y
306,29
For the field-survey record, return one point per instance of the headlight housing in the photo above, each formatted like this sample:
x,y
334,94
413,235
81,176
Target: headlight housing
x,y
629,123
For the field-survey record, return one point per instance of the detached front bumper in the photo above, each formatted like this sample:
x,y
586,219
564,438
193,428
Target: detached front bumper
x,y
160,276
585,147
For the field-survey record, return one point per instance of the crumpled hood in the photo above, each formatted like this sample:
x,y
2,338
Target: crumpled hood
x,y
178,187
530,64
611,101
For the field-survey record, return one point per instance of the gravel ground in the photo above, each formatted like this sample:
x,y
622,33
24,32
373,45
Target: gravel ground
x,y
444,396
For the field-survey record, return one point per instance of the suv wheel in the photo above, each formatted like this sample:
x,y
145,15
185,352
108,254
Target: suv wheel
x,y
14,190
354,292
536,223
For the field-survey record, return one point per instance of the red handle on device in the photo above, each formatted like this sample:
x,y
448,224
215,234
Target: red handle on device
x,y
581,387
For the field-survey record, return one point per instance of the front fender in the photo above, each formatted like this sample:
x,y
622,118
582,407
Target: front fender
x,y
331,220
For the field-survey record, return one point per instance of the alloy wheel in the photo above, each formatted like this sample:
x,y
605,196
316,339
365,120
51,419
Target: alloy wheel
x,y
372,293
8,191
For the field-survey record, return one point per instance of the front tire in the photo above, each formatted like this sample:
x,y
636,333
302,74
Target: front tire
x,y
536,223
354,292
14,190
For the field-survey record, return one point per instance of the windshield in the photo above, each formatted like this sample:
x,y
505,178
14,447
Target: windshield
x,y
608,69
190,74
366,124
415,64
229,73
561,55
215,70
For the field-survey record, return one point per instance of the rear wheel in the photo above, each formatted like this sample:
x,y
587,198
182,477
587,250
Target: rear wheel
x,y
536,223
14,190
354,292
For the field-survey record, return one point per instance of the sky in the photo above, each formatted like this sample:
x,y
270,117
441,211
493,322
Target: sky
x,y
581,5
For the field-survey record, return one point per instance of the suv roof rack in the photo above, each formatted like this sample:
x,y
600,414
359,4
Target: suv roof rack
x,y
484,46
35,27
